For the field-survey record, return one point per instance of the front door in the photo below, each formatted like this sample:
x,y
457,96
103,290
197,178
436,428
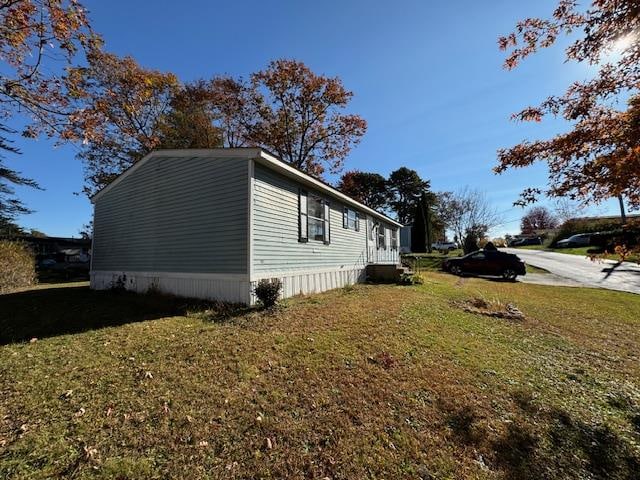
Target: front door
x,y
372,238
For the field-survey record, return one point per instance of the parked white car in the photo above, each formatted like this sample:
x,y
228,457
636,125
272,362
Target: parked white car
x,y
444,246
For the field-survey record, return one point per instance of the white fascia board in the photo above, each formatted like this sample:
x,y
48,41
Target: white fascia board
x,y
278,165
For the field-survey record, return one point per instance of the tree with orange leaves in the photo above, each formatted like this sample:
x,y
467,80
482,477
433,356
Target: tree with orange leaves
x,y
600,157
121,108
38,39
300,118
125,111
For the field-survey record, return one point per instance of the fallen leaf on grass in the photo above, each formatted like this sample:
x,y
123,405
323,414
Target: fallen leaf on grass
x,y
67,394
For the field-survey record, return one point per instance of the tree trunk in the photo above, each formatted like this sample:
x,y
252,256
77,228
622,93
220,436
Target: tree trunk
x,y
623,215
427,222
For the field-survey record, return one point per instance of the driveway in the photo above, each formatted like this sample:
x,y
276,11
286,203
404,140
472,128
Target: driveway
x,y
608,274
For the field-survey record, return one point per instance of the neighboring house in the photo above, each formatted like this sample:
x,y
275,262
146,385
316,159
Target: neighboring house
x,y
60,248
211,223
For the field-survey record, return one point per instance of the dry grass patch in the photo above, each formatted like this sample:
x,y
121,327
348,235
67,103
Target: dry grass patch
x,y
491,308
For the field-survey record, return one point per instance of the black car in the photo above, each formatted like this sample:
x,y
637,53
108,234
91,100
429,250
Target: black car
x,y
523,242
486,262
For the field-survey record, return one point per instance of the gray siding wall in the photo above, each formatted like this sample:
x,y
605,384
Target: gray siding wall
x,y
275,230
175,215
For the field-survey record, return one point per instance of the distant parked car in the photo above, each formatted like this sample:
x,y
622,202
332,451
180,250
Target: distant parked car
x,y
46,263
444,246
487,262
522,242
580,240
70,269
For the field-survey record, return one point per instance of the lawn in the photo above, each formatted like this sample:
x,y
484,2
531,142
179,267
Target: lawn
x,y
372,381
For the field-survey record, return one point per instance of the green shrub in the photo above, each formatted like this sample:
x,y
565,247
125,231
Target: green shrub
x,y
411,279
591,225
17,265
268,291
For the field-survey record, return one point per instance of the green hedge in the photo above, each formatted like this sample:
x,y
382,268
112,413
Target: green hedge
x,y
591,225
17,265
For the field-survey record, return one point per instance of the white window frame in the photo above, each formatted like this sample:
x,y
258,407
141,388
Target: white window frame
x,y
382,237
394,238
305,217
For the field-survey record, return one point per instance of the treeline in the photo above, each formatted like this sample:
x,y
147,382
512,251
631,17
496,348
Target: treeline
x,y
467,214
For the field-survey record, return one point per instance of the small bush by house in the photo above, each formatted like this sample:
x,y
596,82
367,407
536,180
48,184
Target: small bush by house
x,y
268,291
17,265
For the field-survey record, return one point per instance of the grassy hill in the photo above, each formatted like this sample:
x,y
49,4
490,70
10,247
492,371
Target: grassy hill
x,y
363,382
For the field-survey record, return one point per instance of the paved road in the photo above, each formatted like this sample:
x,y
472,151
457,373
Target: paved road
x,y
623,276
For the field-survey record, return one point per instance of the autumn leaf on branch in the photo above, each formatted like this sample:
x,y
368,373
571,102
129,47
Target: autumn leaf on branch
x,y
123,106
38,40
300,118
599,158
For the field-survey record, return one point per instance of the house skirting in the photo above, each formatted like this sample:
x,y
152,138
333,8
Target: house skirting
x,y
312,281
234,288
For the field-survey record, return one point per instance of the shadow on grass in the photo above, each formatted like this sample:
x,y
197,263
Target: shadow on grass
x,y
550,444
61,310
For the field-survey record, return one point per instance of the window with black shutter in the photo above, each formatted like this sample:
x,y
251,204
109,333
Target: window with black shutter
x,y
351,219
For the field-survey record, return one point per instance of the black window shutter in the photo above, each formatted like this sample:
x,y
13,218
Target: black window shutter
x,y
303,223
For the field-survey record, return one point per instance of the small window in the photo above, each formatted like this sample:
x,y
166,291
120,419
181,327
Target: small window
x,y
394,239
351,219
478,256
382,237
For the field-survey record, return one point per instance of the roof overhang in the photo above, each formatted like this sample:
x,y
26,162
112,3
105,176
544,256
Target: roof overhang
x,y
260,156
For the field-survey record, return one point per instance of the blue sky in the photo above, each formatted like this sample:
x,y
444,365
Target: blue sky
x,y
427,77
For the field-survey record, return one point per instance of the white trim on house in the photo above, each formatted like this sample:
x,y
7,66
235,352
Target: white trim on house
x,y
258,154
250,187
200,276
